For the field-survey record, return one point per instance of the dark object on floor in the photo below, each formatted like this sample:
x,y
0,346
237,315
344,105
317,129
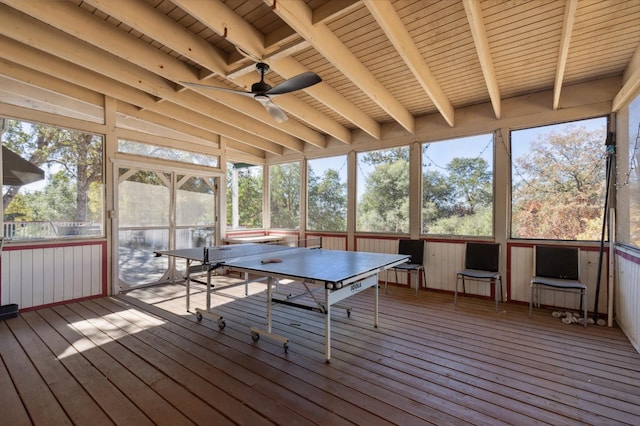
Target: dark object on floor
x,y
8,311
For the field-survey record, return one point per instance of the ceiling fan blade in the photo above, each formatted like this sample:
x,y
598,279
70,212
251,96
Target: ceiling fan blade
x,y
221,89
274,110
298,82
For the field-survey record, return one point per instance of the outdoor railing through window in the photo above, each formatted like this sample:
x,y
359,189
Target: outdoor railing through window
x,y
69,201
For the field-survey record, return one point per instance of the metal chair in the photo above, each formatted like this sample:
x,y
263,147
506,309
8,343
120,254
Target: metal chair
x,y
481,263
415,249
557,268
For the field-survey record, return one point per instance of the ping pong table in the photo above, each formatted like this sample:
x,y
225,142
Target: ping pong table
x,y
340,273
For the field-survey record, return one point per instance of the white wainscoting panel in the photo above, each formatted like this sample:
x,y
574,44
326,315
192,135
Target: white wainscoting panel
x,y
36,276
377,245
333,243
522,271
443,260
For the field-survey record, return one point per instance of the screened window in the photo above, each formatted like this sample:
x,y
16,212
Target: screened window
x,y
244,196
165,153
284,195
558,181
327,194
383,191
457,186
53,182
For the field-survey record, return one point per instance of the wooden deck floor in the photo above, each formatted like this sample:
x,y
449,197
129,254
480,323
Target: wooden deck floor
x,y
141,359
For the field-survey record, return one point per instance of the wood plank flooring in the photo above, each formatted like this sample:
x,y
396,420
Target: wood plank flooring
x,y
140,358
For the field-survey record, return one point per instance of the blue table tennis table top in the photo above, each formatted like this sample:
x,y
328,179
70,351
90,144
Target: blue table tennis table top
x,y
303,263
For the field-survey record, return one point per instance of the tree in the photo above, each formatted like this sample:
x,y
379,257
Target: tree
x,y
470,180
249,196
77,155
458,202
384,206
560,194
284,190
327,202
438,199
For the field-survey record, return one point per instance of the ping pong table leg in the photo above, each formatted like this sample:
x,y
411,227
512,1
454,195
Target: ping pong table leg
x,y
188,283
375,303
257,332
327,327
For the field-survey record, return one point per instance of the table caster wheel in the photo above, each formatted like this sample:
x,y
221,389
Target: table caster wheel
x,y
221,324
255,336
199,316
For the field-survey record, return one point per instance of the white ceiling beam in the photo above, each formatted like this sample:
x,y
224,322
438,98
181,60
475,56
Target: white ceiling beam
x,y
226,23
149,21
333,9
47,63
565,41
245,37
162,120
155,24
630,83
388,19
68,17
479,34
299,17
289,67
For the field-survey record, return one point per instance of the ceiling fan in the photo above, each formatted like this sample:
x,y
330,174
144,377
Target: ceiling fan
x,y
263,92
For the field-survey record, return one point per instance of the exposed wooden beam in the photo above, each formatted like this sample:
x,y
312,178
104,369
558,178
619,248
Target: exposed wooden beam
x,y
248,39
388,19
162,120
70,18
479,34
45,62
299,17
565,40
226,23
147,20
288,67
630,83
333,9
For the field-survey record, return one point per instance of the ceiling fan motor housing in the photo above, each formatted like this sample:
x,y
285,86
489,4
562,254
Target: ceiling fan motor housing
x,y
260,87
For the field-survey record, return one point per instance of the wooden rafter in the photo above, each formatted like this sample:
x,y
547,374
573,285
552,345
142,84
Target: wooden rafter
x,y
299,17
388,19
565,40
479,34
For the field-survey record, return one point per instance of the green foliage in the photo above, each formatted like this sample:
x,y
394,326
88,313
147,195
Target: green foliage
x,y
561,195
74,161
249,197
327,202
284,190
56,202
384,206
479,223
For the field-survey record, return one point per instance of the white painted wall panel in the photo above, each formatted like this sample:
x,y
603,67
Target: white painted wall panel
x,y
58,256
37,283
377,245
95,278
334,243
40,276
522,271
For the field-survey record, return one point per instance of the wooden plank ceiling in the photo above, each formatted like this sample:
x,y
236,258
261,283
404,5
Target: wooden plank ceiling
x,y
381,62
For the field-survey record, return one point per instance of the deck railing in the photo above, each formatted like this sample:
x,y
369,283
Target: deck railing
x,y
47,229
